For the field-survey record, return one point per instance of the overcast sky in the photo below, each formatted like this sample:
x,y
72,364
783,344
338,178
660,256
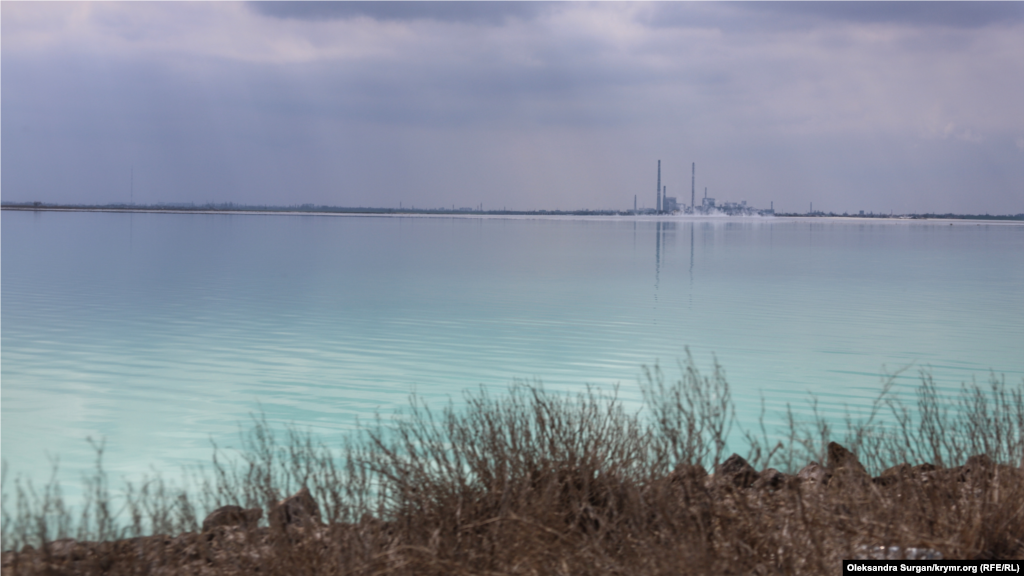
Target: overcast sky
x,y
910,107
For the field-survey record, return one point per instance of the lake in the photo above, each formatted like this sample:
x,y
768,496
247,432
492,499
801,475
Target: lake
x,y
162,332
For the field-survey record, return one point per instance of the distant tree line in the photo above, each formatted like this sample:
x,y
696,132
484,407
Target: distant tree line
x,y
311,208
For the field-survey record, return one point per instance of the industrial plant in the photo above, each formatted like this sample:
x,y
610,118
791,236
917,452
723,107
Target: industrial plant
x,y
665,204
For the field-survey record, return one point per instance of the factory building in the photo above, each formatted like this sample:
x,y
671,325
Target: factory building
x,y
665,204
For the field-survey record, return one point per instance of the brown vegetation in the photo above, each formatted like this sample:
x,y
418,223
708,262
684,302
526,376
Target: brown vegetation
x,y
542,483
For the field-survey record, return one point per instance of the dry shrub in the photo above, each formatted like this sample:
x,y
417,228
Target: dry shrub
x,y
534,482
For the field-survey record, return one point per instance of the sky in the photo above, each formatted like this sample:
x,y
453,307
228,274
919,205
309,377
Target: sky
x,y
876,106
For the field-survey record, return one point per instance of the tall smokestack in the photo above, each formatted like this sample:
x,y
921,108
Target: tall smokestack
x,y
693,184
657,206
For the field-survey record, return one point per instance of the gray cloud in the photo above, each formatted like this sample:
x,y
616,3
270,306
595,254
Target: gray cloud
x,y
568,108
470,12
944,12
268,147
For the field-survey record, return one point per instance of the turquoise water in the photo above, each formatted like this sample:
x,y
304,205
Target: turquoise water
x,y
162,332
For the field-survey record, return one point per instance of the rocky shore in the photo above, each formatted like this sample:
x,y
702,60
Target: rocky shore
x,y
759,522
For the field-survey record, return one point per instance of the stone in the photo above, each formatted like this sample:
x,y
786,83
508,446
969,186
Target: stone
x,y
847,471
892,475
977,468
841,458
814,474
686,473
62,548
735,471
980,470
232,516
770,479
922,473
299,509
924,468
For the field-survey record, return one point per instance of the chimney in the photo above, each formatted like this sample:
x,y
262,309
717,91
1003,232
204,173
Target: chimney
x,y
658,205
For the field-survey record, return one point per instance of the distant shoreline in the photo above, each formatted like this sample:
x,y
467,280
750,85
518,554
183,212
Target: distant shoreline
x,y
359,211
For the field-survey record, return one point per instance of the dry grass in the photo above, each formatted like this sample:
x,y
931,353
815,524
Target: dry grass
x,y
534,482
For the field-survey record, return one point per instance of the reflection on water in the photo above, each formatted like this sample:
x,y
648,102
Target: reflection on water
x,y
161,332
665,233
691,268
657,259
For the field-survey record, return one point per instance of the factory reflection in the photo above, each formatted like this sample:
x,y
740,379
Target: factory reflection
x,y
665,235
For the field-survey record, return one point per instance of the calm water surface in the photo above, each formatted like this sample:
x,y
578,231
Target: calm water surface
x,y
160,332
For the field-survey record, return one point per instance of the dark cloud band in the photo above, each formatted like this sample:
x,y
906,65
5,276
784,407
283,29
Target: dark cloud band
x,y
449,10
943,12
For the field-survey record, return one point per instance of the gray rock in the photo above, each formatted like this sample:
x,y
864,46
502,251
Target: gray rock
x,y
770,479
977,468
63,548
735,471
686,473
232,516
841,458
814,473
847,472
299,509
905,472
